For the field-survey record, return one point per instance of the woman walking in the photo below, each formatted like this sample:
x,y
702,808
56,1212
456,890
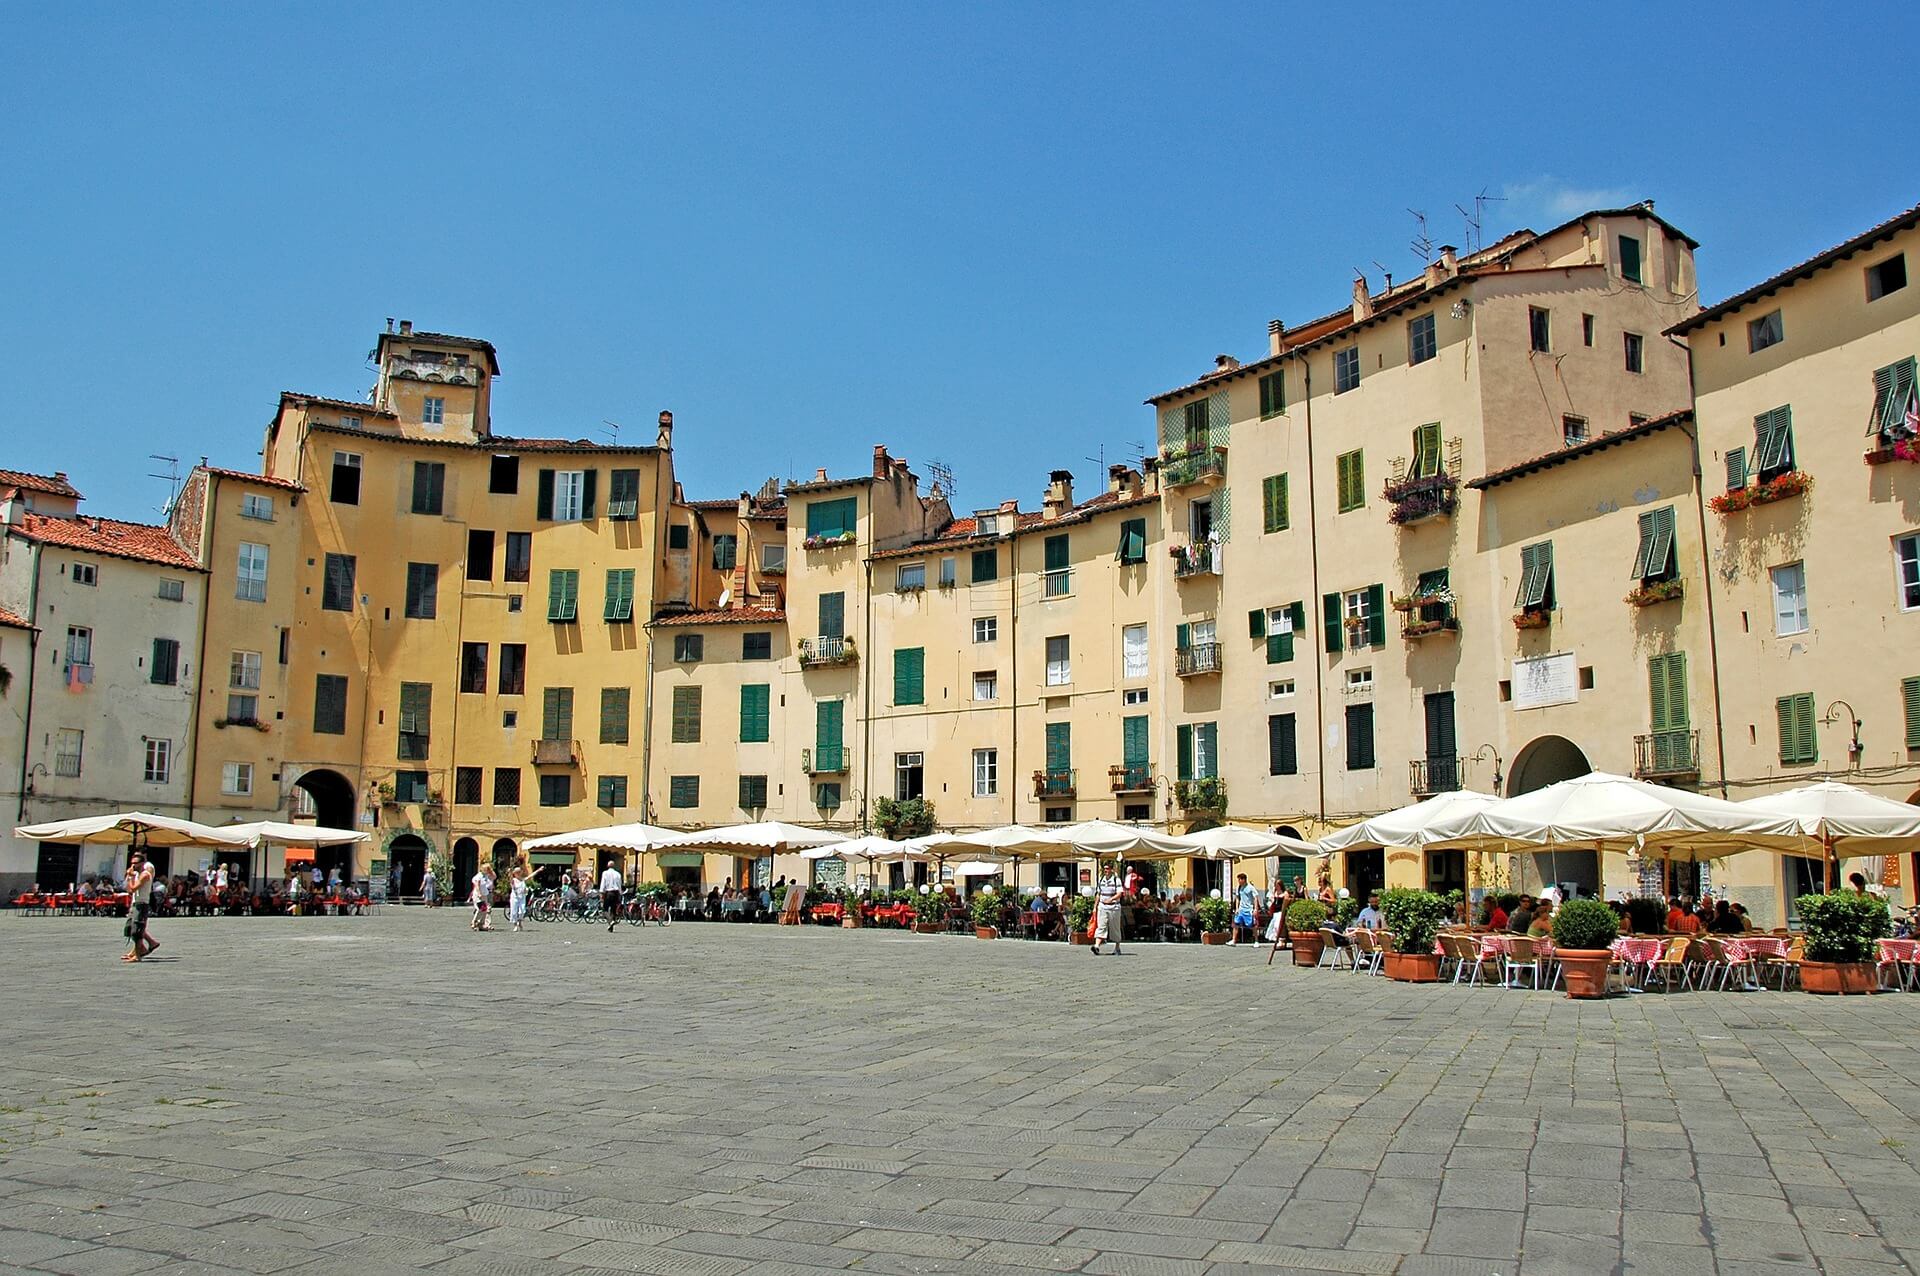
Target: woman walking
x,y
427,887
517,897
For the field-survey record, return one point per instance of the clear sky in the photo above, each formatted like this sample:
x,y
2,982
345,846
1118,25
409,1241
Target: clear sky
x,y
982,233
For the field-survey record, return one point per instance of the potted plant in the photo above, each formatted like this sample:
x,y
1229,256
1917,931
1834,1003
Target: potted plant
x,y
1214,916
1583,933
986,908
1415,918
1647,593
1842,930
929,905
1305,917
1079,919
1532,618
903,818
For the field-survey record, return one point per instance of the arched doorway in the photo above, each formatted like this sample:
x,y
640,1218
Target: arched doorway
x,y
1287,870
1549,760
504,853
466,862
333,808
407,856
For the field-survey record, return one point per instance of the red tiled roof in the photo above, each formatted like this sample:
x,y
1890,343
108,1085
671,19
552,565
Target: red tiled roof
x,y
444,339
10,621
266,480
718,503
732,616
54,484
963,530
505,443
346,405
141,542
1563,455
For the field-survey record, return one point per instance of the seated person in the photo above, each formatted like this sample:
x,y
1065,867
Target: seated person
x,y
1370,916
1522,916
1496,915
1724,922
1542,921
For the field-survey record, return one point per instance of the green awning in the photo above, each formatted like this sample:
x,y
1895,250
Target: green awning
x,y
681,859
551,857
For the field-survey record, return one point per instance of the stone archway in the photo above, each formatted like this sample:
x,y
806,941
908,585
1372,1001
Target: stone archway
x,y
1549,760
333,808
466,862
407,854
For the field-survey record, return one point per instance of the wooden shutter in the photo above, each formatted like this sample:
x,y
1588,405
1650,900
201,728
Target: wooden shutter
x,y
1059,746
619,594
1273,393
986,565
1330,617
1282,750
1773,438
563,594
1736,468
1134,740
166,661
755,726
1257,623
1536,575
909,674
1377,616
833,610
543,497
828,717
330,704
1893,389
1359,737
686,715
1056,549
1910,698
1183,737
556,713
615,703
416,706
1206,748
1426,450
1273,503
1804,727
1183,636
589,480
1797,742
1280,644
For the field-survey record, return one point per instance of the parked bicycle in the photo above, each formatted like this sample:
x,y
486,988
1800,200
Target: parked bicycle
x,y
653,906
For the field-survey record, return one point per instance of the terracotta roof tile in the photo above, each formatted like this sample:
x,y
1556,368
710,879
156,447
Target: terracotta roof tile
x,y
54,484
732,616
345,405
10,621
265,480
141,542
1562,455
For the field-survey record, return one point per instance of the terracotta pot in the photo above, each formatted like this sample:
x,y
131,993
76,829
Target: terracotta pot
x,y
1839,977
927,928
1214,936
1083,939
1306,947
850,921
1585,970
985,932
1413,968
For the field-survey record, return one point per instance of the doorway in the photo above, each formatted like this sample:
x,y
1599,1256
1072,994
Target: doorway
x,y
1549,760
1366,872
58,868
333,807
1209,876
407,855
466,862
1446,871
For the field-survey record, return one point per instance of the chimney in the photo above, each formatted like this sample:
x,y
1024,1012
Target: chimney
x,y
406,327
1449,263
664,440
1123,481
1276,336
1362,299
1059,498
820,475
744,507
882,463
1224,363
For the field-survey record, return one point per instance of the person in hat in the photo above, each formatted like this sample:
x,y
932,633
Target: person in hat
x,y
139,905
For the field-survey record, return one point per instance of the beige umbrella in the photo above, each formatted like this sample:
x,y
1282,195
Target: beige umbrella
x,y
1614,813
132,828
612,837
1842,817
771,836
1231,841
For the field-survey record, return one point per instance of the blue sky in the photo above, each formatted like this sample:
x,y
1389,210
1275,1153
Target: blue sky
x,y
979,233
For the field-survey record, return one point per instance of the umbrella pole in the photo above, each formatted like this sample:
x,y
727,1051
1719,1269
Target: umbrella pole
x,y
1826,844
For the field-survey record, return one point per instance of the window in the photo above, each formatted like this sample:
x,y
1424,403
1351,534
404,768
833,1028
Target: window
x,y
1134,696
909,776
1280,690
1133,652
1573,430
1906,553
756,646
429,487
1789,599
503,478
773,558
623,499
949,573
1773,443
468,784
243,670
615,703
1893,397
1886,276
473,668
158,765
344,489
236,779
556,714
330,704
1283,756
833,615
909,675
1630,258
756,718
1768,330
563,595
423,591
1421,343
1273,503
479,555
68,746
1360,737
689,649
1058,814
506,786
832,519
1540,329
1133,542
565,496
250,585
556,790
513,669
1359,682
677,536
1586,330
726,551
79,646
254,505
986,773
1058,574
612,792
1668,714
910,577
1356,619
683,791
827,796
1273,394
519,564
416,720
986,628
619,604
1536,578
1350,474
1059,662
1197,744
1346,369
1635,348
1654,560
986,565
829,720
1798,742
509,719
686,715
410,786
336,583
173,591
1426,451
986,685
433,410
753,792
164,668
350,422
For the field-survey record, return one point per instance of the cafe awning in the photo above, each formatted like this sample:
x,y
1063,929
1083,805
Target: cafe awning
x,y
681,859
550,857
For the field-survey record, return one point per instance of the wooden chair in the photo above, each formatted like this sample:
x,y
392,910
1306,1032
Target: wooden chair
x,y
1522,955
1672,959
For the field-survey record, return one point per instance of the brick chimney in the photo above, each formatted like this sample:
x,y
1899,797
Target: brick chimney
x,y
1059,498
1123,481
820,475
1224,363
664,441
1447,267
882,463
1362,299
1276,336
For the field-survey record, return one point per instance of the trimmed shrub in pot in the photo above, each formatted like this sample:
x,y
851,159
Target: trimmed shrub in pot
x,y
1305,917
1215,914
987,909
1415,918
1079,918
1842,934
1583,933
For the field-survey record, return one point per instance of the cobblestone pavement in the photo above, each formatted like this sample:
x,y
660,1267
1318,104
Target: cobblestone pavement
x,y
393,1093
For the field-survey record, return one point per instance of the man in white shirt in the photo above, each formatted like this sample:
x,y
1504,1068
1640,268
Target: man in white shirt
x,y
610,893
1370,916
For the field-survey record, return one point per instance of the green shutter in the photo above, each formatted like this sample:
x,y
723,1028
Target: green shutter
x,y
563,594
1736,468
1279,648
1377,616
1804,725
1206,744
619,593
1135,749
1893,389
543,501
832,518
1536,575
1910,698
833,612
828,717
755,724
1183,735
1426,451
1330,615
1273,393
588,480
416,707
1644,554
986,565
1273,503
686,715
1257,623
615,703
1059,746
556,713
1773,439
1183,636
1797,740
1350,470
1056,549
909,675
1133,541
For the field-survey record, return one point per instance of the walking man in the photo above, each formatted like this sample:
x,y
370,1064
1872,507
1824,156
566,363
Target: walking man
x,y
610,893
139,903
1106,912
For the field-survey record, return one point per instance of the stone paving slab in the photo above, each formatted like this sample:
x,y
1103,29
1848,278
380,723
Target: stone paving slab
x,y
395,1093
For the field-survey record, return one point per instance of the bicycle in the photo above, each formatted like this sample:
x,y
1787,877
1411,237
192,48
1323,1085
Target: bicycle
x,y
651,907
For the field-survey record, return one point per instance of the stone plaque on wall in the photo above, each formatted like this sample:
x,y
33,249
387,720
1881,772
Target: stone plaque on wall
x,y
1539,681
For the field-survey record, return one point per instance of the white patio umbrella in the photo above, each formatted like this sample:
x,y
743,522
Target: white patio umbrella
x,y
1104,837
1841,818
1409,825
132,828
611,837
771,836
1231,841
265,833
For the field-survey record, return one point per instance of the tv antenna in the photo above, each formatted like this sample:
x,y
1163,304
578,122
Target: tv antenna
x,y
1477,218
612,432
171,477
1422,242
1387,274
941,473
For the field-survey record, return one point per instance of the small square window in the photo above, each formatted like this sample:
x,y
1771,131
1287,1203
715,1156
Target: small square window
x,y
756,646
1630,259
1886,276
1768,330
1346,369
433,410
509,719
910,578
689,648
1540,329
1421,343
1635,347
986,686
986,628
86,574
1573,430
1359,680
1281,690
503,477
1133,696
1906,553
254,505
173,591
1059,815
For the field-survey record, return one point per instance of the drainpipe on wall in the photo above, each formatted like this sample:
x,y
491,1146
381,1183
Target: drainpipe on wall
x,y
1314,601
206,606
33,673
866,679
1706,576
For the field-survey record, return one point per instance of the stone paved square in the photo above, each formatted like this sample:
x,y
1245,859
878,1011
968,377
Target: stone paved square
x,y
395,1093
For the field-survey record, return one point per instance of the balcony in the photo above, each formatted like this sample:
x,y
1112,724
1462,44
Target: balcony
x,y
1057,583
1053,784
827,760
1203,559
1197,660
828,540
1208,794
1195,465
1666,755
435,370
817,653
1131,779
1434,775
556,752
1423,616
1412,501
67,765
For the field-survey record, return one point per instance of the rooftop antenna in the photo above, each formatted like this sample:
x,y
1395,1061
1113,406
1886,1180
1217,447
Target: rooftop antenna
x,y
612,432
172,478
1388,274
1477,218
1100,460
1422,242
941,473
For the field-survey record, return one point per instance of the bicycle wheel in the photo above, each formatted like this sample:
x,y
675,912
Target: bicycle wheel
x,y
661,913
635,911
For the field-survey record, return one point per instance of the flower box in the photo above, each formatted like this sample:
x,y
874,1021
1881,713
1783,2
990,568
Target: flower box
x,y
828,541
1778,488
1535,619
1649,593
1902,450
1425,628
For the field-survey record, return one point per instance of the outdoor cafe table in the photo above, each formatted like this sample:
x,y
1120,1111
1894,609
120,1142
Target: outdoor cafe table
x,y
1904,956
828,912
897,914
